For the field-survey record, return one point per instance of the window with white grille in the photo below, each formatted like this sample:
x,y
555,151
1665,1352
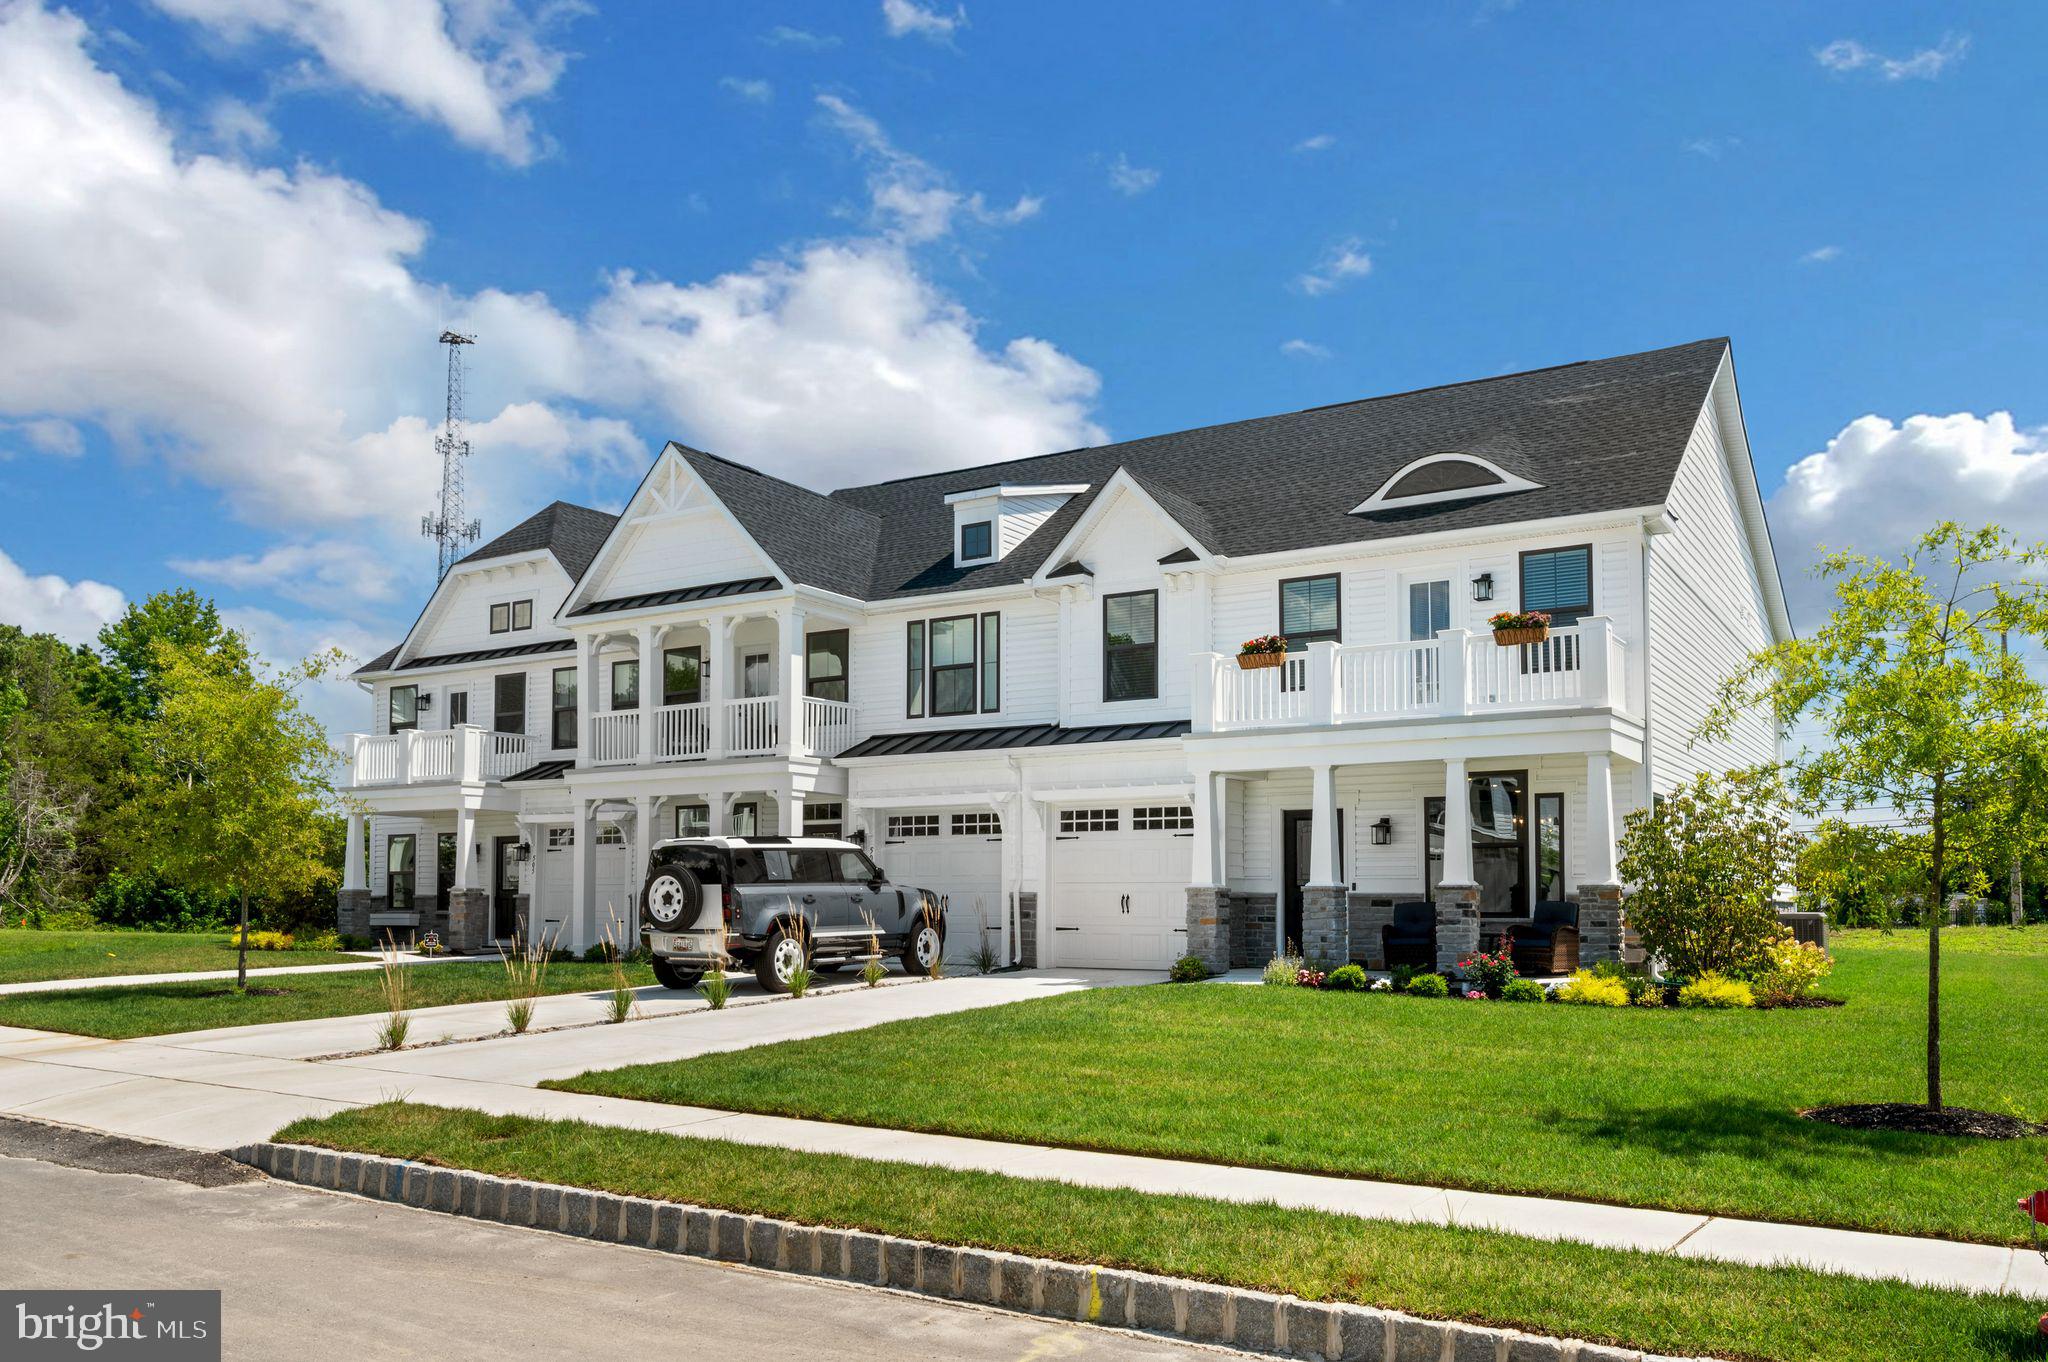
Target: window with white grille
x,y
610,835
1163,818
1089,820
823,820
913,825
561,839
977,825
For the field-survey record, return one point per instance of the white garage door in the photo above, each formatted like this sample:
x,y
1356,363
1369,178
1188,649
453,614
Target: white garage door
x,y
959,856
1119,880
555,892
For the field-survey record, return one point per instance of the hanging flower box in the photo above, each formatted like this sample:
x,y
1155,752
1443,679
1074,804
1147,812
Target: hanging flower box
x,y
1267,650
1513,628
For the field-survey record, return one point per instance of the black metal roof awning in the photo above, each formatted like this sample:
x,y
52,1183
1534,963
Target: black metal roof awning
x,y
1008,738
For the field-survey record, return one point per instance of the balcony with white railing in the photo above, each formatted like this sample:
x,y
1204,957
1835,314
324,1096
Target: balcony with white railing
x,y
682,732
828,726
1580,667
751,728
440,756
615,737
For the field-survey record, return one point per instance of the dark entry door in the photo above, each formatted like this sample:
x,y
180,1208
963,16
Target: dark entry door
x,y
1297,831
504,886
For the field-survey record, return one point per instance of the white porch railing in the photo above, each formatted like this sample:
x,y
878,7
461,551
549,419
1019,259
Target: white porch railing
x,y
828,726
615,737
750,726
434,756
1582,666
682,732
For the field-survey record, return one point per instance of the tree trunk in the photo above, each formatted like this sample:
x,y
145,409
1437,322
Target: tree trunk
x,y
2017,896
1940,910
242,948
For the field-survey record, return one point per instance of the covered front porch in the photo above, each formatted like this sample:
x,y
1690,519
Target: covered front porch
x,y
1418,849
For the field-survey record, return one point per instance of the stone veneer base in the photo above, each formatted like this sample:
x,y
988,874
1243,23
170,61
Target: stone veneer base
x,y
1254,1321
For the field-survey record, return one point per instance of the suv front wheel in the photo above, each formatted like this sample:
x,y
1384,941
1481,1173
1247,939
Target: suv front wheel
x,y
922,947
779,957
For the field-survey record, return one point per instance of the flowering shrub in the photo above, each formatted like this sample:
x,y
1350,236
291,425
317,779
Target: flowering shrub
x,y
1588,989
1264,643
1346,977
1519,619
1716,990
1793,969
1489,971
1475,995
264,941
1383,986
1521,991
1307,977
1281,971
1429,986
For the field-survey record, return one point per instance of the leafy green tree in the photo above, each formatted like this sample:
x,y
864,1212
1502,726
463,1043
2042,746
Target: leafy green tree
x,y
238,789
59,766
1870,874
1706,862
1918,704
131,684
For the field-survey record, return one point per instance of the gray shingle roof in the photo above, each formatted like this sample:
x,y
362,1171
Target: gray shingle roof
x,y
813,538
1599,435
572,533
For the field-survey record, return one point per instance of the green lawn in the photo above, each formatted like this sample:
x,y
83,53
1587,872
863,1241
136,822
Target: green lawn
x,y
27,954
1642,1300
1687,1110
160,1009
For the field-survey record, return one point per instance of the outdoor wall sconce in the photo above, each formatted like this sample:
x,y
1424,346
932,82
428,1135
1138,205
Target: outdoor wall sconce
x,y
524,851
1383,832
1482,587
423,701
859,837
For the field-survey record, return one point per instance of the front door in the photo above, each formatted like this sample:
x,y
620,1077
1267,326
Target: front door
x,y
1297,838
1500,842
504,887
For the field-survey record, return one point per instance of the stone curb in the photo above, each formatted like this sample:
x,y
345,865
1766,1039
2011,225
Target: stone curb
x,y
1203,1312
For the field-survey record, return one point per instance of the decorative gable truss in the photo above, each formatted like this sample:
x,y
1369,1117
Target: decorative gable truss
x,y
675,533
1128,523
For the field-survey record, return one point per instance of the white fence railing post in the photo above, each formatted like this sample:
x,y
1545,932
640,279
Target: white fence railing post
x,y
469,754
1595,682
406,740
1322,684
1453,695
1203,701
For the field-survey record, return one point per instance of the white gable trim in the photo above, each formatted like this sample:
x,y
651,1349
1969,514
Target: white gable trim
x,y
1012,489
1120,482
532,563
669,490
1509,482
1725,406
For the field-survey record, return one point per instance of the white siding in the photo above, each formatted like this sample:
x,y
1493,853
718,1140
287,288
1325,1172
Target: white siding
x,y
1707,616
880,671
693,549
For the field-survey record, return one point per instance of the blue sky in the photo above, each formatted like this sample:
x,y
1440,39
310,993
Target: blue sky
x,y
847,241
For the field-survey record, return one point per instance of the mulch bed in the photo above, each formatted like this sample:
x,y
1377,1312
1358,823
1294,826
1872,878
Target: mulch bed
x,y
1801,1002
1912,1116
250,992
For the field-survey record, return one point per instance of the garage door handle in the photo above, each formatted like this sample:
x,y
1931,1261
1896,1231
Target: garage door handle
x,y
1076,929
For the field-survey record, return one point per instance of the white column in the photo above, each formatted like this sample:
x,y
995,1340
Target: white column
x,y
406,738
790,682
586,702
1599,867
1322,684
792,811
1322,854
647,808
465,845
718,684
1453,693
650,687
1597,686
1202,848
1457,823
352,869
1202,691
582,880
718,809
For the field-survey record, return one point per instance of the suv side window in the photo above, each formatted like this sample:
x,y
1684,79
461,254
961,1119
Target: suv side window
x,y
812,865
748,869
705,864
855,867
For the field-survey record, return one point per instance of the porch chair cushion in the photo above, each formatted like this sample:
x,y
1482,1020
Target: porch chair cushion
x,y
1410,939
1549,942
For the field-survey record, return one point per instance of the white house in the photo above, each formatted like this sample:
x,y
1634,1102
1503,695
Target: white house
x,y
1019,681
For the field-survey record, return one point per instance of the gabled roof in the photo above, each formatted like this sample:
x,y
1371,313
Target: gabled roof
x,y
572,533
814,539
1598,435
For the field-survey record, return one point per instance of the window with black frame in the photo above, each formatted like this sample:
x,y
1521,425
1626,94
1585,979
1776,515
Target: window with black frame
x,y
825,664
399,871
1308,614
1559,583
404,708
563,703
977,540
952,651
1130,646
626,685
682,676
508,702
1550,848
444,871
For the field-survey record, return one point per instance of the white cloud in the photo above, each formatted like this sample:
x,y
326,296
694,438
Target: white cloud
x,y
1713,148
754,91
1322,141
334,573
336,702
49,436
1820,255
1877,486
1345,261
905,17
468,65
73,611
1846,54
911,198
1304,349
238,128
1131,180
782,35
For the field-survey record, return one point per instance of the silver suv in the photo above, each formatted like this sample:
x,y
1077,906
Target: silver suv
x,y
770,903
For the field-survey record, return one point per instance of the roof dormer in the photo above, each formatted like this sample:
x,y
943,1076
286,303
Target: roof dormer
x,y
1443,477
988,522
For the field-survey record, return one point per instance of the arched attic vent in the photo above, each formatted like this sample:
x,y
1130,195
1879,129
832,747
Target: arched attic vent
x,y
1443,477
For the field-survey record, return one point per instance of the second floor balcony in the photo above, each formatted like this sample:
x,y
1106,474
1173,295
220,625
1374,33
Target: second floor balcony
x,y
1457,673
464,754
710,730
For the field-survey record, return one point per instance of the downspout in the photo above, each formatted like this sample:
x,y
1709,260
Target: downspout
x,y
1652,527
1014,892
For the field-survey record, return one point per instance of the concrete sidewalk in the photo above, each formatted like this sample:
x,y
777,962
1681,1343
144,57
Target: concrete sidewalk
x,y
196,1090
123,980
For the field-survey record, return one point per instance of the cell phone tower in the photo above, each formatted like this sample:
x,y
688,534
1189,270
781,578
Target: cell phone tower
x,y
450,532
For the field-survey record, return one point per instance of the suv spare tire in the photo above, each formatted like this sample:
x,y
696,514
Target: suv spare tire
x,y
672,898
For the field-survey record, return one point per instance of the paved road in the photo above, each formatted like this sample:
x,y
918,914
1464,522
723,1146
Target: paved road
x,y
311,1274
